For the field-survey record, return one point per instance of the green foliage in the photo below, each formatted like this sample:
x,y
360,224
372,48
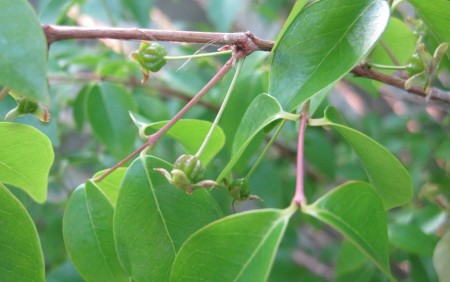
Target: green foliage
x,y
107,108
306,62
356,211
26,156
25,62
133,222
381,166
22,258
435,15
236,248
190,134
89,212
152,220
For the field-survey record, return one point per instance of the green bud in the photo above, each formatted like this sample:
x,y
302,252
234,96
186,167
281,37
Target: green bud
x,y
27,106
191,166
150,57
415,65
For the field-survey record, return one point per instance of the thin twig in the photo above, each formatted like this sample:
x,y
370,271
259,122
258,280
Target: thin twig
x,y
152,139
244,41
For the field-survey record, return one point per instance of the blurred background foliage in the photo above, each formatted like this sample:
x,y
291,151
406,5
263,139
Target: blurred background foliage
x,y
94,84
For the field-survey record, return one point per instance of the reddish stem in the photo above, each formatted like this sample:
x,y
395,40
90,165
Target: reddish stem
x,y
152,139
299,197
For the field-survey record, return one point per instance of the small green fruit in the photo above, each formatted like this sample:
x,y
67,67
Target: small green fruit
x,y
415,65
150,57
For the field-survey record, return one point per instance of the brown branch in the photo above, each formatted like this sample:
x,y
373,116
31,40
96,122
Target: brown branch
x,y
245,41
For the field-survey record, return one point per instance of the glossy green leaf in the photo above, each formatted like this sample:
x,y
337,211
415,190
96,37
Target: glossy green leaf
x,y
110,184
411,239
296,9
262,111
107,108
356,210
240,247
26,157
441,258
140,9
21,254
386,174
23,59
88,234
324,42
436,15
223,13
153,219
190,133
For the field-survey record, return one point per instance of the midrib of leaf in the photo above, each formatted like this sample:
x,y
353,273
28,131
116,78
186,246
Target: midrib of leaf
x,y
356,242
284,217
147,174
95,234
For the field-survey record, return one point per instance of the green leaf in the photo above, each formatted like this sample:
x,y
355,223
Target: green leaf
x,y
398,40
240,247
21,254
153,218
139,9
386,174
436,15
411,239
88,234
324,42
355,210
107,107
190,133
441,257
23,58
26,157
79,106
223,13
298,6
262,111
110,184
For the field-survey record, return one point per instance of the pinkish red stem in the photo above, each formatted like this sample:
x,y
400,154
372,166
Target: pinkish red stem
x,y
299,197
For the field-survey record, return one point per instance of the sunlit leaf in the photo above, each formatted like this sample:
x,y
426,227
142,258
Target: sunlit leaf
x,y
22,258
191,133
153,219
324,42
386,174
26,156
88,233
111,183
240,247
23,56
355,210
